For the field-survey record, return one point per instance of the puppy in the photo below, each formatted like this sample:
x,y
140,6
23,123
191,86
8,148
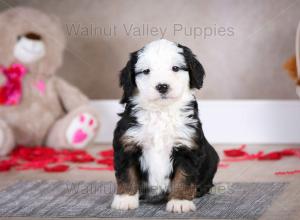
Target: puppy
x,y
160,150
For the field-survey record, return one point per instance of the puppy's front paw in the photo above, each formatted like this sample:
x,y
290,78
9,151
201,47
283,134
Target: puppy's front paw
x,y
125,202
180,206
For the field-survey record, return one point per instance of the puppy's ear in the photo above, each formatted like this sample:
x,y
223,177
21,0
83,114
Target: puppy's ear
x,y
196,71
127,78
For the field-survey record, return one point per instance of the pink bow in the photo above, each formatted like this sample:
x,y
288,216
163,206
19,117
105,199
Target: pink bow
x,y
11,91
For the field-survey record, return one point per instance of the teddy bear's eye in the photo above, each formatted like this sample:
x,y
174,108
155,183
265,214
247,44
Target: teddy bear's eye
x,y
30,36
146,71
33,36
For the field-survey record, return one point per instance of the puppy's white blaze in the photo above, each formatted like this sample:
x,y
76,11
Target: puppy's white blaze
x,y
125,201
159,54
180,206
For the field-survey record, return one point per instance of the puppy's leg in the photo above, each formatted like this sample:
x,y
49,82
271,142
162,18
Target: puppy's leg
x,y
207,171
182,193
127,196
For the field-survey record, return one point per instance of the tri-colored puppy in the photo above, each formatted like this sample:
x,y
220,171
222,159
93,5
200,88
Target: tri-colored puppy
x,y
160,149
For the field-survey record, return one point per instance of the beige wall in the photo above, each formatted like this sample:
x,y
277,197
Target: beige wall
x,y
246,63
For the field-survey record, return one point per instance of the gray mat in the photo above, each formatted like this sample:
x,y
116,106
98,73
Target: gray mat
x,y
92,199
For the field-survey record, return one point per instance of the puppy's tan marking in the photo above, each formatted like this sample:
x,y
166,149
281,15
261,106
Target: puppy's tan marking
x,y
131,186
180,189
128,143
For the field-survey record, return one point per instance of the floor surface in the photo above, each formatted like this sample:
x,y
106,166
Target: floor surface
x,y
286,206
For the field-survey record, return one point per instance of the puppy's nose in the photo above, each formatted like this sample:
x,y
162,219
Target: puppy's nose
x,y
162,88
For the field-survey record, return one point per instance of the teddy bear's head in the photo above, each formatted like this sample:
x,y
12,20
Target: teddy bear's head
x,y
32,38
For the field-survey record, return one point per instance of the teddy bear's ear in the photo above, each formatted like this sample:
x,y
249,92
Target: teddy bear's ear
x,y
127,78
291,66
57,21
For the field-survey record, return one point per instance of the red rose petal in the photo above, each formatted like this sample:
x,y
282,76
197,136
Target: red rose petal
x,y
107,161
288,152
292,172
84,158
4,167
110,168
107,153
223,165
270,156
236,152
56,168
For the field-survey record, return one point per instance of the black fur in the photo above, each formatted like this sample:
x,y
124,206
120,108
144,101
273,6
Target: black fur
x,y
124,159
196,71
200,163
127,78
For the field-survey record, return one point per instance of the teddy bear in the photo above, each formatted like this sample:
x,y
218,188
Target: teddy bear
x,y
37,108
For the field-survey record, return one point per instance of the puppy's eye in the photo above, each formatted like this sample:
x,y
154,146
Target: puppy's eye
x,y
175,68
146,71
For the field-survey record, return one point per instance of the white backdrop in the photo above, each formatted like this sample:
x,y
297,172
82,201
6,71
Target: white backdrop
x,y
228,122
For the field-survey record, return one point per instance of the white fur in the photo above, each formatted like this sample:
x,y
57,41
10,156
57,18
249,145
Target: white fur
x,y
125,201
162,121
180,206
88,129
29,51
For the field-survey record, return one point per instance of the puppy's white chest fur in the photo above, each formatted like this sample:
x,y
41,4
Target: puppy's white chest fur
x,y
158,133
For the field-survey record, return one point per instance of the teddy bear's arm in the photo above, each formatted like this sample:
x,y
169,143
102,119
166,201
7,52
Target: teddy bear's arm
x,y
70,97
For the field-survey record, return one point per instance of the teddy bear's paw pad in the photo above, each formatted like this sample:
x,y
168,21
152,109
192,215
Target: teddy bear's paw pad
x,y
81,130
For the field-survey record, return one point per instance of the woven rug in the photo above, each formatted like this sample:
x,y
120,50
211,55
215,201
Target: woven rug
x,y
92,199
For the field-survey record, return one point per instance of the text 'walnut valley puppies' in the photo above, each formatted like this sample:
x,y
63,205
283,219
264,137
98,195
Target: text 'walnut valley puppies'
x,y
160,149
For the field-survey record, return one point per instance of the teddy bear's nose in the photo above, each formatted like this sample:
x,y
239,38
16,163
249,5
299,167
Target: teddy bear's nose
x,y
33,36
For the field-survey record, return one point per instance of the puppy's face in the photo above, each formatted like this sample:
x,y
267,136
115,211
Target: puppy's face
x,y
160,73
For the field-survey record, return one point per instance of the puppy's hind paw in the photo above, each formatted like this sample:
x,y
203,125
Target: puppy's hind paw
x,y
125,202
180,206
